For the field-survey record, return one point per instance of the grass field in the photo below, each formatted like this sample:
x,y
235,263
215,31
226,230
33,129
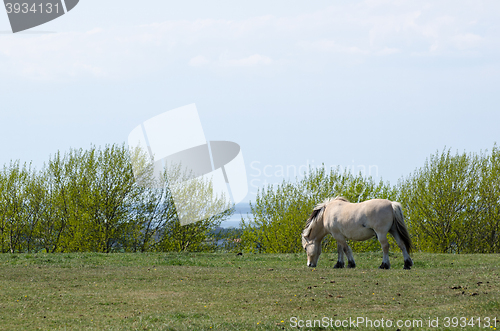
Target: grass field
x,y
203,291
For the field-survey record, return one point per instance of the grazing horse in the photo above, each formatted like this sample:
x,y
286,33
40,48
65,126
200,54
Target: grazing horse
x,y
356,221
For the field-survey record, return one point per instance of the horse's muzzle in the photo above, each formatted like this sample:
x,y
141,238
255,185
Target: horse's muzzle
x,y
310,265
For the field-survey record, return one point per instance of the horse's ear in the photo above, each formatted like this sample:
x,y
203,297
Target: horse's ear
x,y
306,233
304,242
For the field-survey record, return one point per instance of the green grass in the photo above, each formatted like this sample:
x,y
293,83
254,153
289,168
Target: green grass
x,y
203,291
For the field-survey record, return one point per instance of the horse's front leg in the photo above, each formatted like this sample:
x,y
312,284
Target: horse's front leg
x,y
386,264
340,259
343,247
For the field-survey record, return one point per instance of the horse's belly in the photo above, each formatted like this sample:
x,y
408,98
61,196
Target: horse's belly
x,y
360,234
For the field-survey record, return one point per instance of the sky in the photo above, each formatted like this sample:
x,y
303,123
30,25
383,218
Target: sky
x,y
374,86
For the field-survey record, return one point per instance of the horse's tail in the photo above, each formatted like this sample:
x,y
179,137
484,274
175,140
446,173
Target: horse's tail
x,y
400,225
316,215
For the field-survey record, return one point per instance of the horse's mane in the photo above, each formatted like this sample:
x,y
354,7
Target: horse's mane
x,y
340,198
318,211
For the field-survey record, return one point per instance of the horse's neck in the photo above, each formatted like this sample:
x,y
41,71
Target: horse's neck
x,y
318,233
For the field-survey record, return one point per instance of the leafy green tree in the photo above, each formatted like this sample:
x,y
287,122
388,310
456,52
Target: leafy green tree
x,y
158,215
487,233
451,203
61,190
198,203
108,194
22,201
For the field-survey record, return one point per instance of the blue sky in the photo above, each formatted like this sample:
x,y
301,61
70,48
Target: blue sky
x,y
373,85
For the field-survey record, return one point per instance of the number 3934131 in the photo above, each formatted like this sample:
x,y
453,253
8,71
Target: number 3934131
x,y
26,14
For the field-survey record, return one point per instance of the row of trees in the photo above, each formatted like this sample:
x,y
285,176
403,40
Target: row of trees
x,y
451,205
90,200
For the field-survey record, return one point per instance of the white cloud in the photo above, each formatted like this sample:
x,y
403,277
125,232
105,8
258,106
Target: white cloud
x,y
199,61
467,41
388,51
330,46
250,61
369,28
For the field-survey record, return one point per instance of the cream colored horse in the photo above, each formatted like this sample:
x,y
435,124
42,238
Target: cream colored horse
x,y
356,221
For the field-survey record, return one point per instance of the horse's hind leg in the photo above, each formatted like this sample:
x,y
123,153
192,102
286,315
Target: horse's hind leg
x,y
406,256
382,238
350,257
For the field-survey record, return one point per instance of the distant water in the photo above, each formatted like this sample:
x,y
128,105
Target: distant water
x,y
242,209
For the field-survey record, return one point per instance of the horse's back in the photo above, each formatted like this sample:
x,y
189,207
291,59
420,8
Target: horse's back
x,y
359,221
378,213
375,208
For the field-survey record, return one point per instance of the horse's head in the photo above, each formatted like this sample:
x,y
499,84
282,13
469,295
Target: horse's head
x,y
313,250
313,234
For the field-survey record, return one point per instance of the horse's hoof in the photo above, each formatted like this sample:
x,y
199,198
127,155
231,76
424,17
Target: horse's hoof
x,y
384,266
406,267
339,265
351,264
408,264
